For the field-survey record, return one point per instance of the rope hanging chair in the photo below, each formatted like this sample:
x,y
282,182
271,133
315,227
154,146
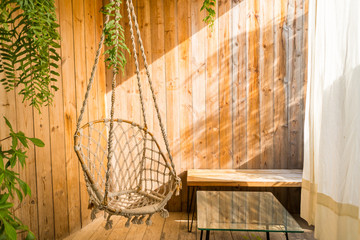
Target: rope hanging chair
x,y
126,172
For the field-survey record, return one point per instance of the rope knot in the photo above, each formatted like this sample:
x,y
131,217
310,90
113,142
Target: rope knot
x,y
178,184
164,213
109,223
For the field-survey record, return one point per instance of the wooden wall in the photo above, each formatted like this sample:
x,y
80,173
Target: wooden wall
x,y
231,97
58,204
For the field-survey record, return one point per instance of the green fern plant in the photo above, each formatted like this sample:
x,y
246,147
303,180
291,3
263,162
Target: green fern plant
x,y
209,7
28,41
114,37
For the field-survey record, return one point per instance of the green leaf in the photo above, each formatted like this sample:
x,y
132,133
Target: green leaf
x,y
3,198
37,142
21,136
8,123
1,163
30,236
6,205
25,188
9,229
14,141
19,194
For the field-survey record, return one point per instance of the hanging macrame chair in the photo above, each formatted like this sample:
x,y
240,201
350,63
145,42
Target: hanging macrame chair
x,y
126,172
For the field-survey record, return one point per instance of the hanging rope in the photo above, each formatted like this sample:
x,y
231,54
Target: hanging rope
x,y
137,179
167,145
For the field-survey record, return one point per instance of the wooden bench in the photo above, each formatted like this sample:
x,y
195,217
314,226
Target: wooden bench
x,y
239,178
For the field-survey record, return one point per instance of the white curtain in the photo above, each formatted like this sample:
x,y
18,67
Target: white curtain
x,y
331,180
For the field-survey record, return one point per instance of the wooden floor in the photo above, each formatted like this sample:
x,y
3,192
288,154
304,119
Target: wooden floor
x,y
174,227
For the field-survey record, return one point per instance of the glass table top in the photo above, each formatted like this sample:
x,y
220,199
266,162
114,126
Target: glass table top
x,y
243,211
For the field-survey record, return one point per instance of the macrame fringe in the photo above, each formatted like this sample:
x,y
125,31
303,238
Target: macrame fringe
x,y
178,186
94,211
141,219
127,224
164,213
134,220
148,220
108,222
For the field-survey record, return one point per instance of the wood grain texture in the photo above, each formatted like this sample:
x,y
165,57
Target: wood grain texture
x,y
212,96
225,84
57,144
239,114
230,97
162,227
198,76
245,177
67,71
231,84
253,111
267,83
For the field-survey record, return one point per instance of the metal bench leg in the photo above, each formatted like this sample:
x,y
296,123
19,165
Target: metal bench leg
x,y
207,234
189,204
286,235
201,234
267,235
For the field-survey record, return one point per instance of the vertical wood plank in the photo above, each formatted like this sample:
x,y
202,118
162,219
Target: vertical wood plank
x,y
297,90
44,175
69,92
93,103
198,77
81,77
292,75
280,97
144,12
186,118
225,85
57,144
172,90
212,96
134,111
239,35
267,83
28,213
24,122
99,24
253,114
121,101
158,64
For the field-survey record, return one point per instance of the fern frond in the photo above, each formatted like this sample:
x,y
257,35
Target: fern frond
x,y
28,43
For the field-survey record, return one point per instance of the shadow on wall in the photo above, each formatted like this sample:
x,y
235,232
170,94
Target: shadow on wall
x,y
229,98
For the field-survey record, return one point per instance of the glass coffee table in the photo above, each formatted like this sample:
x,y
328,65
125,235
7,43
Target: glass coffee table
x,y
243,211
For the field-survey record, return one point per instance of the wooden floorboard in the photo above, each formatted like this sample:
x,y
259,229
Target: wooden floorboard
x,y
175,227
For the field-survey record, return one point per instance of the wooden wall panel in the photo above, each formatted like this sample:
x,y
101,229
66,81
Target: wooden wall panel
x,y
230,97
235,92
59,201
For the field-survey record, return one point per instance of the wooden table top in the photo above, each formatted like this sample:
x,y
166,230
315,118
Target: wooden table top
x,y
245,177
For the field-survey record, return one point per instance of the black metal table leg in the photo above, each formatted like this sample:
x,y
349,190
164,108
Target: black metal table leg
x,y
286,235
201,234
189,207
267,235
207,234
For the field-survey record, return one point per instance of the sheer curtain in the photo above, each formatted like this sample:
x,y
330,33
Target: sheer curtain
x,y
331,182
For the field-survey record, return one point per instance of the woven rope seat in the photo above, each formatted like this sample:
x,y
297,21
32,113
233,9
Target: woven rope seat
x,y
125,171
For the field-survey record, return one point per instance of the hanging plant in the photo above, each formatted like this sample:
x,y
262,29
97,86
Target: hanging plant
x,y
115,38
28,42
209,7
